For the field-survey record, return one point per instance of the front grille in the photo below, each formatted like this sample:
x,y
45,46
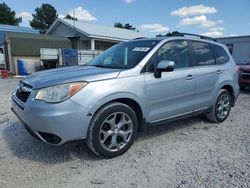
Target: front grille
x,y
23,92
22,96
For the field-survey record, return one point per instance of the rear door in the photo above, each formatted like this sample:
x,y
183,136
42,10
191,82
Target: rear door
x,y
206,73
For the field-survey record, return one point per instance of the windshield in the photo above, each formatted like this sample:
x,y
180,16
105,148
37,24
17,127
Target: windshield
x,y
124,55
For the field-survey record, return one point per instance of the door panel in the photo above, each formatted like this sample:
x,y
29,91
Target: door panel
x,y
173,93
206,73
170,95
205,80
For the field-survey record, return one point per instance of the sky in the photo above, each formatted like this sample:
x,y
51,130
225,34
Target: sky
x,y
215,18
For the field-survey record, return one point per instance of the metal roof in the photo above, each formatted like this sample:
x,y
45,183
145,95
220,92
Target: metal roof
x,y
234,39
28,44
11,28
230,37
98,31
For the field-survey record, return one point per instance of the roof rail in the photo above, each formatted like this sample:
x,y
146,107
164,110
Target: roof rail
x,y
174,34
139,38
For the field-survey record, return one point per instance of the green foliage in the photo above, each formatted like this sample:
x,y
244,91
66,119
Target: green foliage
x,y
169,34
7,16
126,26
69,17
44,17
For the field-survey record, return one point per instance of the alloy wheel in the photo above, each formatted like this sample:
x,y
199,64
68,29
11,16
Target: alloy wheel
x,y
223,106
116,131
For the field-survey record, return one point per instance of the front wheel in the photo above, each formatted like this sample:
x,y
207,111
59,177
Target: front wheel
x,y
221,108
113,130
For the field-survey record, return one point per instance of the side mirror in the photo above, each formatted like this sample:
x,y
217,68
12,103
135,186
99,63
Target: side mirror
x,y
164,66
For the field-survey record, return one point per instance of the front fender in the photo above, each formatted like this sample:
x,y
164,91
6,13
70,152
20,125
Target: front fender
x,y
116,96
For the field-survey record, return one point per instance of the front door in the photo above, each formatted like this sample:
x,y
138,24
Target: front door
x,y
172,94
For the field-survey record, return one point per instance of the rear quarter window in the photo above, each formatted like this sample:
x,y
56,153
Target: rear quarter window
x,y
221,54
202,54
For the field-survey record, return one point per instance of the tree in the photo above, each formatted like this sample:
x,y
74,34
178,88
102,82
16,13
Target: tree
x,y
7,16
126,26
169,34
44,17
119,25
69,17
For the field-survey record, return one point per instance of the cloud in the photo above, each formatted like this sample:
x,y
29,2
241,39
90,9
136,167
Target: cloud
x,y
199,20
233,35
155,28
26,16
217,29
128,1
61,16
194,10
213,34
82,14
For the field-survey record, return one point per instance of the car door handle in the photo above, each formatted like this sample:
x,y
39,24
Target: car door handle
x,y
189,77
218,72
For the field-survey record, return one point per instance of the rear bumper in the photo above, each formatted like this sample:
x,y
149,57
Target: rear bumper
x,y
53,123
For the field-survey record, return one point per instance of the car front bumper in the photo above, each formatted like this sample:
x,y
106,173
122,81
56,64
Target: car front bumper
x,y
53,123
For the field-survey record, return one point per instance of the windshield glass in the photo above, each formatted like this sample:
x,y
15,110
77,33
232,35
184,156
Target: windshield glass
x,y
124,55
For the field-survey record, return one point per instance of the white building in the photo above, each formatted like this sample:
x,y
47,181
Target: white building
x,y
88,36
239,46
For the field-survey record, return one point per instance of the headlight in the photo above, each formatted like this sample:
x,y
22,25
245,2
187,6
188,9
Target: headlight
x,y
59,93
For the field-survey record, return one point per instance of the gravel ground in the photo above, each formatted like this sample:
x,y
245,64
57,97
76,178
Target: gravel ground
x,y
189,153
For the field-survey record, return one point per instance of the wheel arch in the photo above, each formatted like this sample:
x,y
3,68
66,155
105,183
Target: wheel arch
x,y
132,101
230,89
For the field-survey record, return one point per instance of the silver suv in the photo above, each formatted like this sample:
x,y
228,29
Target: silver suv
x,y
130,86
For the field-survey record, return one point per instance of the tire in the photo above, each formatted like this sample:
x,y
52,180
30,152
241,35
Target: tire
x,y
112,130
219,112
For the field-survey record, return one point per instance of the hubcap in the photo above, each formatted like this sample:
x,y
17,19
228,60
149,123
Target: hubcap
x,y
116,131
223,106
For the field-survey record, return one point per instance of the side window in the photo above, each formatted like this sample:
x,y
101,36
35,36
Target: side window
x,y
202,54
221,54
176,51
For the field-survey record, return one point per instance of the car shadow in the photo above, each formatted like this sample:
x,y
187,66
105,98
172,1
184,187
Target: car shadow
x,y
24,146
245,91
185,125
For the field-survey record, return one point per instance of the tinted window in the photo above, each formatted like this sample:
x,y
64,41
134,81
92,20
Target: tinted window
x,y
202,54
221,54
176,51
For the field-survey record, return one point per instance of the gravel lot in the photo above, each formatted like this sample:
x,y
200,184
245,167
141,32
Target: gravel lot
x,y
189,153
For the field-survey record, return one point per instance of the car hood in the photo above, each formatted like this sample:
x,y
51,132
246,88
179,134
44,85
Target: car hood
x,y
69,74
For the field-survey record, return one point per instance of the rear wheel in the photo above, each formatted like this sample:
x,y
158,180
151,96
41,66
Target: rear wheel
x,y
113,130
221,108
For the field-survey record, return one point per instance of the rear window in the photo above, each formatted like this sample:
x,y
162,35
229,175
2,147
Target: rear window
x,y
221,54
202,54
